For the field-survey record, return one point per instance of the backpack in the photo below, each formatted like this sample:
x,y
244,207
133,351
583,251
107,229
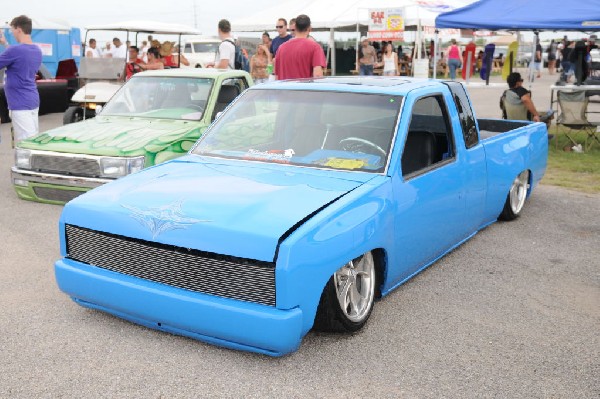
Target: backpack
x,y
240,60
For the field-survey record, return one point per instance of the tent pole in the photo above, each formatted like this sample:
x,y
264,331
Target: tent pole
x,y
332,49
357,44
531,70
435,53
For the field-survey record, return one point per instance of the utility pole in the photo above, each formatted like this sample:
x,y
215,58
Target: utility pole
x,y
195,16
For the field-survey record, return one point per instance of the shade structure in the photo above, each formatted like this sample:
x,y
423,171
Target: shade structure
x,y
524,15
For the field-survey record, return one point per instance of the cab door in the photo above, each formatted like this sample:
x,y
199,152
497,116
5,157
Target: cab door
x,y
428,187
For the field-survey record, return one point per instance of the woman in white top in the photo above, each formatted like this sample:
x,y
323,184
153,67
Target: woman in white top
x,y
390,61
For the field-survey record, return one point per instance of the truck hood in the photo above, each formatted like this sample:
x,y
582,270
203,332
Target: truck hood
x,y
115,136
238,208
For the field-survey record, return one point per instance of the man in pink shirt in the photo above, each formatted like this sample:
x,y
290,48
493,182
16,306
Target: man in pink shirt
x,y
300,57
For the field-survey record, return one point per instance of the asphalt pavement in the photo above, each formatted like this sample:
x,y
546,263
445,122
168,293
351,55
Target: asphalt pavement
x,y
513,313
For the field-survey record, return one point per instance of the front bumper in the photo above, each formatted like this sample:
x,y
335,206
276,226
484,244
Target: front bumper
x,y
220,321
51,188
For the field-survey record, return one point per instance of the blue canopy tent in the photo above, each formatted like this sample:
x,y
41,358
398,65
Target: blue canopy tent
x,y
533,15
524,15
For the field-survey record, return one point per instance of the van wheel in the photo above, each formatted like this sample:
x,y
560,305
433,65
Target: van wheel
x,y
72,115
348,298
515,200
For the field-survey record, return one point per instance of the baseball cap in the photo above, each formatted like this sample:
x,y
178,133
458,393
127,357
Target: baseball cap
x,y
362,39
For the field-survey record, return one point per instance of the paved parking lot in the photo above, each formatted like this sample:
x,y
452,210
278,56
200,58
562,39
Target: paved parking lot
x,y
513,313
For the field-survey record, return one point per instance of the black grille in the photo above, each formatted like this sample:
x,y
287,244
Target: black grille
x,y
193,270
87,167
53,194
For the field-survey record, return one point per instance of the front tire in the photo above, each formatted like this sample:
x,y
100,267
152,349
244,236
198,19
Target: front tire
x,y
72,115
348,298
515,200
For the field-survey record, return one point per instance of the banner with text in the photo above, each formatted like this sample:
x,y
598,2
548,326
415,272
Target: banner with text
x,y
386,24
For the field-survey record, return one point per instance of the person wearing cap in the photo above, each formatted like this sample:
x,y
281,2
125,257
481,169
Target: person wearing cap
x,y
367,57
169,59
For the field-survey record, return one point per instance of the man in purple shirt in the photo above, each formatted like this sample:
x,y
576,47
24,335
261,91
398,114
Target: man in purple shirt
x,y
22,63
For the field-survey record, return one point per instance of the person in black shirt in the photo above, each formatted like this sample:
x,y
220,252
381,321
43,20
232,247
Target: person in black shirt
x,y
579,62
515,84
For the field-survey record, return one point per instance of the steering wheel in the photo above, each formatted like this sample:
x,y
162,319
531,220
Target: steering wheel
x,y
356,144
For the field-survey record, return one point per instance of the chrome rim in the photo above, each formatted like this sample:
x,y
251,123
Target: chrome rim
x,y
518,192
355,287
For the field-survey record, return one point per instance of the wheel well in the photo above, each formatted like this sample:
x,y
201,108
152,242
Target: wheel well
x,y
380,257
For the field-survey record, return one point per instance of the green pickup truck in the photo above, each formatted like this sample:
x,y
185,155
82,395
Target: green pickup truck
x,y
154,117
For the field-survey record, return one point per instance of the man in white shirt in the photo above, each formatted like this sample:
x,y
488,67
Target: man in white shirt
x,y
92,51
118,50
145,48
225,58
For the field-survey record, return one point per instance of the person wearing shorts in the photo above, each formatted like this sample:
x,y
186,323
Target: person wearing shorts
x,y
22,62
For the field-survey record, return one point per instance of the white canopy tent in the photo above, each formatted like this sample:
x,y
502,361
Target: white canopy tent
x,y
147,27
345,16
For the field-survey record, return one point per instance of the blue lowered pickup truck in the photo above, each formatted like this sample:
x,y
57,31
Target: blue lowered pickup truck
x,y
302,204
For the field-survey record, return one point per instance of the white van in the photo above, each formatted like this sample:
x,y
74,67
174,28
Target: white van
x,y
200,50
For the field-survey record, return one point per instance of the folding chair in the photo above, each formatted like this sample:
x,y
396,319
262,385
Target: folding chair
x,y
513,106
573,107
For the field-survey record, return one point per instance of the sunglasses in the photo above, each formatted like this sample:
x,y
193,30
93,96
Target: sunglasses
x,y
279,26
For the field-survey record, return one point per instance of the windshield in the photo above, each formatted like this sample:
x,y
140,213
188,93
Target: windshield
x,y
346,131
203,47
161,97
101,68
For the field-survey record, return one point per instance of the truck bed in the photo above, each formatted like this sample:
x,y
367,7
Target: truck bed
x,y
492,127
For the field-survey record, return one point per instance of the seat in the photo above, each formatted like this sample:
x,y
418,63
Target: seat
x,y
513,106
573,107
419,151
227,94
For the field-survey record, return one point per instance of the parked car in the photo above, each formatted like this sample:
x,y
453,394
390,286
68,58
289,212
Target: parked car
x,y
303,203
156,116
201,50
102,77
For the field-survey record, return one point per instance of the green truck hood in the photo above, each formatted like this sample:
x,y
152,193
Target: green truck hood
x,y
157,139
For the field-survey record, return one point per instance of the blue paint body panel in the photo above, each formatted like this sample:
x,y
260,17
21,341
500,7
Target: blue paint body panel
x,y
307,221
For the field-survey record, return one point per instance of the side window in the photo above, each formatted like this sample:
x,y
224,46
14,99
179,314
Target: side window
x,y
187,48
429,142
230,89
465,113
239,82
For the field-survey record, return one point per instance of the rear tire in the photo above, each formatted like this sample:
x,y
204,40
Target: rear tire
x,y
72,115
348,298
515,200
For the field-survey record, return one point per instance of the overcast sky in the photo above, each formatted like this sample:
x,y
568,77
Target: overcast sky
x,y
82,13
203,15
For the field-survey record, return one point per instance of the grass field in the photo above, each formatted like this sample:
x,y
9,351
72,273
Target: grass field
x,y
579,171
